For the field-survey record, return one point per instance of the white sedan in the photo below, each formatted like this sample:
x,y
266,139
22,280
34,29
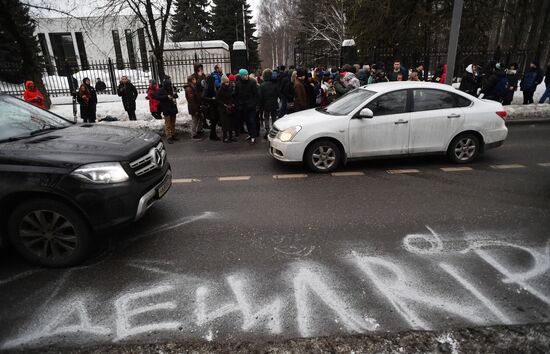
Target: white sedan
x,y
390,119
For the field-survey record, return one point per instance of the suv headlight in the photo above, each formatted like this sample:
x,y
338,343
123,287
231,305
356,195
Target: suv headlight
x,y
107,172
288,134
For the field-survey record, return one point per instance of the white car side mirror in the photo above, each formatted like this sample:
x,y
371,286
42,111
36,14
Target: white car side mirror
x,y
366,113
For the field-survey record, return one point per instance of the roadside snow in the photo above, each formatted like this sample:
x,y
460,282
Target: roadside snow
x,y
111,105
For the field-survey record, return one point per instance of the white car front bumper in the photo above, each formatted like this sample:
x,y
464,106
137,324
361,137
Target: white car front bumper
x,y
287,152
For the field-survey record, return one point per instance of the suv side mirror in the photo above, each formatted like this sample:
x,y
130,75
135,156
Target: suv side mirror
x,y
366,113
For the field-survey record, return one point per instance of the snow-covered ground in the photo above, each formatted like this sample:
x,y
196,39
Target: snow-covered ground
x,y
111,105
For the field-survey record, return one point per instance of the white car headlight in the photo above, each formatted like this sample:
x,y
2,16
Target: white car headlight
x,y
107,172
288,134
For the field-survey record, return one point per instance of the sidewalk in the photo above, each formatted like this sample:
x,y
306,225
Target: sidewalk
x,y
533,338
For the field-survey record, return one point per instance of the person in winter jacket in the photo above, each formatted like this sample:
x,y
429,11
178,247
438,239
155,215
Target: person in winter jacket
x,y
351,81
246,95
286,92
32,95
546,93
414,76
268,94
209,106
217,74
194,106
87,98
469,81
340,86
300,94
398,68
226,109
440,75
100,85
513,79
496,85
153,102
166,95
531,79
129,94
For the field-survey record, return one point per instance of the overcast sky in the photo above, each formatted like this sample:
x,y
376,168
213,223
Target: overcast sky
x,y
82,9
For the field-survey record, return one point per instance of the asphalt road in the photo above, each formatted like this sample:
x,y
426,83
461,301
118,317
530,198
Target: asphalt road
x,y
276,252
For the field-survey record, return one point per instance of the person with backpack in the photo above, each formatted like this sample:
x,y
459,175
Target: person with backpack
x,y
496,85
513,79
166,95
531,79
546,93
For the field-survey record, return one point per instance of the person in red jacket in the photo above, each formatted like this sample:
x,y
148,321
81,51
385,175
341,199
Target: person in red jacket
x,y
32,95
153,103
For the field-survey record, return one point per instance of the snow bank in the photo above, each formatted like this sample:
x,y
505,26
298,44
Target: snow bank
x,y
528,112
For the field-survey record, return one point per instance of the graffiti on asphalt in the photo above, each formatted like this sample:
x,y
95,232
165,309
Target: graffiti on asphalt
x,y
198,306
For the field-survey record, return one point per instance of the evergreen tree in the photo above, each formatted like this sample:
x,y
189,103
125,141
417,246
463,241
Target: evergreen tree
x,y
227,24
191,21
19,48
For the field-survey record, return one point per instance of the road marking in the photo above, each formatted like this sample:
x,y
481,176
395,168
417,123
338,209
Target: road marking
x,y
186,180
234,178
290,176
504,167
456,169
544,164
393,172
349,173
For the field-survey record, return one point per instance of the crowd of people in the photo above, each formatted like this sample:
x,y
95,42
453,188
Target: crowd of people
x,y
244,103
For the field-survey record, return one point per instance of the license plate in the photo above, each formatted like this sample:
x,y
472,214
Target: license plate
x,y
164,186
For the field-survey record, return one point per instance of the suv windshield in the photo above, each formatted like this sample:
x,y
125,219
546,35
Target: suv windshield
x,y
347,103
19,119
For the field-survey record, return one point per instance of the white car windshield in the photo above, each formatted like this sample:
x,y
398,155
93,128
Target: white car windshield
x,y
347,103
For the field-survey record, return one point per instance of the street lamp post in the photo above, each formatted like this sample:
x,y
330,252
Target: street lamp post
x,y
453,40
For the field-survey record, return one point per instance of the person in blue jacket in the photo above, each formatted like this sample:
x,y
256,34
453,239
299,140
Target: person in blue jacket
x,y
531,79
217,74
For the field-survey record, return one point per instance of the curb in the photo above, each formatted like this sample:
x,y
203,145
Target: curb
x,y
530,338
527,121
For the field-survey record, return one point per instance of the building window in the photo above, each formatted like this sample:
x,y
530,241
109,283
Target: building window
x,y
130,46
46,54
64,54
82,51
118,50
143,49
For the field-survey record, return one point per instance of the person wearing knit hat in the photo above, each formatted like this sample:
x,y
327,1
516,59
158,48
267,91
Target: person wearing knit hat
x,y
243,72
246,97
225,79
231,78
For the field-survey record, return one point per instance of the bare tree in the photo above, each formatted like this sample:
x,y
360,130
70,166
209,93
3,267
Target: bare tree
x,y
152,14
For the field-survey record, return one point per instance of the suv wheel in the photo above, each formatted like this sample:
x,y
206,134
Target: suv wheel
x,y
50,233
464,148
323,156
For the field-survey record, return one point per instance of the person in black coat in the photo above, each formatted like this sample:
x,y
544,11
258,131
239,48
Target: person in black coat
x,y
246,96
87,98
285,90
492,89
546,93
268,94
513,79
226,109
469,81
100,86
166,95
210,108
129,94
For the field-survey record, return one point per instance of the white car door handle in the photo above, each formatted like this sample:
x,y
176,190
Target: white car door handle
x,y
453,115
401,121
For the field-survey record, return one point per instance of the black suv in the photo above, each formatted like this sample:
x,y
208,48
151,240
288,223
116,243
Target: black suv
x,y
61,182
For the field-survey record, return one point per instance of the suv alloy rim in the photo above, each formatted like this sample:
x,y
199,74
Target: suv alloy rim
x,y
465,149
323,157
48,234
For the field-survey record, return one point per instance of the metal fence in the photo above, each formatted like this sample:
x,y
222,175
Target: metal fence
x,y
62,79
432,59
